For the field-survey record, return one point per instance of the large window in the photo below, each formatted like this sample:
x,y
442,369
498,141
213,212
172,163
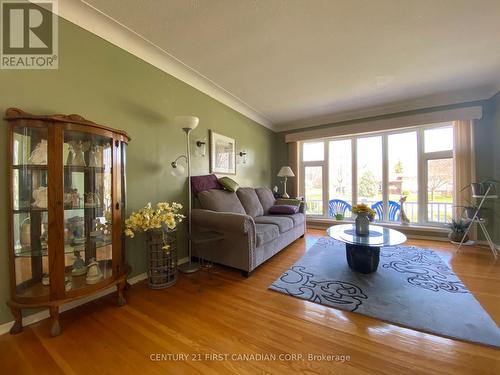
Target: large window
x,y
409,170
340,178
403,172
369,170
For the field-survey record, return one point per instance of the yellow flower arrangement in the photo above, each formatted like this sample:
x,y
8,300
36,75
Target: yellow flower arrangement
x,y
148,218
362,208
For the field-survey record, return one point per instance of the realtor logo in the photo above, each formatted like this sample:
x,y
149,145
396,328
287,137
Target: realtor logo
x,y
29,34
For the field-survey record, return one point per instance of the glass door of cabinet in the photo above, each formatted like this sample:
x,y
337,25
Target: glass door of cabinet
x,y
29,179
88,197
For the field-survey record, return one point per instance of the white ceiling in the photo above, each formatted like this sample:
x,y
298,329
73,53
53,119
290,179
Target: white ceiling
x,y
298,63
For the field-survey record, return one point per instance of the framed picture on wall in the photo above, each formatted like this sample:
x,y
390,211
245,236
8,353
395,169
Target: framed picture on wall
x,y
222,154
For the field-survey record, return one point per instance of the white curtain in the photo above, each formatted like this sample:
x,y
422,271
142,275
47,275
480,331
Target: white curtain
x,y
293,162
464,169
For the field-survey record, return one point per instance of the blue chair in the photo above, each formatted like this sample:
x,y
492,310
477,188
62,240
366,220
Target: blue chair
x,y
394,210
338,206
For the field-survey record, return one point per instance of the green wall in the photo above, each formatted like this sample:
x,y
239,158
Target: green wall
x,y
110,86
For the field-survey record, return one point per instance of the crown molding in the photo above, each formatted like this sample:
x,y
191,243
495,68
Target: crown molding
x,y
91,19
398,122
431,101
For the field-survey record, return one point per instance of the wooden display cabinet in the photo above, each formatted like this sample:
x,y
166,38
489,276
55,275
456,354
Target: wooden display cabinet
x,y
67,194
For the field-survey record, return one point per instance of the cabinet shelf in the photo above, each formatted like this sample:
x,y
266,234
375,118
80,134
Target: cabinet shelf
x,y
70,168
29,210
42,167
26,251
82,168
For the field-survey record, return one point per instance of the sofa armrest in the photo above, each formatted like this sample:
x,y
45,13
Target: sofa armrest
x,y
223,222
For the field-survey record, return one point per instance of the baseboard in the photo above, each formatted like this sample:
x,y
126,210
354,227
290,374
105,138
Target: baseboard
x,y
36,317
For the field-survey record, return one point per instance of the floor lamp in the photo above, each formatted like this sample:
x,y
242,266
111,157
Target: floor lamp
x,y
187,124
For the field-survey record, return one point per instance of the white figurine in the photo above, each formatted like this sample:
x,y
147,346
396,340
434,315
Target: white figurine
x,y
95,156
78,148
94,274
39,154
40,197
402,217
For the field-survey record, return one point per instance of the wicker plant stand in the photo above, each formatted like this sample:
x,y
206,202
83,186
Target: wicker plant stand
x,y
162,264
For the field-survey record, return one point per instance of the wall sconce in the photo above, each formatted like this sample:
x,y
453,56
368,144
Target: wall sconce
x,y
243,155
201,147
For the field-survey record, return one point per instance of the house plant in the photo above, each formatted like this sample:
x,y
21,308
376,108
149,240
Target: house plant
x,y
160,224
339,216
458,227
364,215
480,188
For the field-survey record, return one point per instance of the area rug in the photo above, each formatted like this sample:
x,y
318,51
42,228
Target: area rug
x,y
412,287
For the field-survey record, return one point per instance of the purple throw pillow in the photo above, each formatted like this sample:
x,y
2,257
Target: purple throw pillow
x,y
202,183
283,209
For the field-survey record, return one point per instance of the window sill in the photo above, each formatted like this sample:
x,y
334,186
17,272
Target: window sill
x,y
404,227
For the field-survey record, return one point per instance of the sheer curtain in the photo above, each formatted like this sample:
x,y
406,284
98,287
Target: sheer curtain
x,y
293,162
464,169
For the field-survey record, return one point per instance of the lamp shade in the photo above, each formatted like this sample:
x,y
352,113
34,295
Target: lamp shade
x,y
177,170
187,122
286,172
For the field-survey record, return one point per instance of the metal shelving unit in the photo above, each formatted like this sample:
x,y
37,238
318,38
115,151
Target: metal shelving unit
x,y
476,219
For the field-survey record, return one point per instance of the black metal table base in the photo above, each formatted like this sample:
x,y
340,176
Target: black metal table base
x,y
363,259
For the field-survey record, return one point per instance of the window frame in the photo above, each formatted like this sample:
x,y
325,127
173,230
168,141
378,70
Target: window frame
x,y
422,172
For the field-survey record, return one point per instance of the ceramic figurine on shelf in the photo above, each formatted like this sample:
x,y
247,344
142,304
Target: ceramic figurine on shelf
x,y
45,279
17,247
71,156
95,156
68,284
92,200
25,235
403,218
78,148
39,154
44,238
40,197
94,274
79,267
75,198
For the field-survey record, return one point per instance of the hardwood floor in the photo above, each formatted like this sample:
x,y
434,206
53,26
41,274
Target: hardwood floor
x,y
220,312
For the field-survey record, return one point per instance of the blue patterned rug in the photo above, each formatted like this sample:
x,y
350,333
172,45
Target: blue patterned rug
x,y
412,287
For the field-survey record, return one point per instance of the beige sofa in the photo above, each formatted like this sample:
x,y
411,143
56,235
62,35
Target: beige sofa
x,y
251,235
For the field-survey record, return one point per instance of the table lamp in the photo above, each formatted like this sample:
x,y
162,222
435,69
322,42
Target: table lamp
x,y
286,172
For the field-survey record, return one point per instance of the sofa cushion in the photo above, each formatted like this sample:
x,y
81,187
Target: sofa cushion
x,y
266,198
283,209
266,233
202,183
298,219
229,184
220,201
284,223
250,201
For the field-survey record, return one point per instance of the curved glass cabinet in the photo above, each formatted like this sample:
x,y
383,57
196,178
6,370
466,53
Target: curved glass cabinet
x,y
67,195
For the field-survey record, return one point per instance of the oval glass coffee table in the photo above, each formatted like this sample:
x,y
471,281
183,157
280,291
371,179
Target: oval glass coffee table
x,y
363,252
